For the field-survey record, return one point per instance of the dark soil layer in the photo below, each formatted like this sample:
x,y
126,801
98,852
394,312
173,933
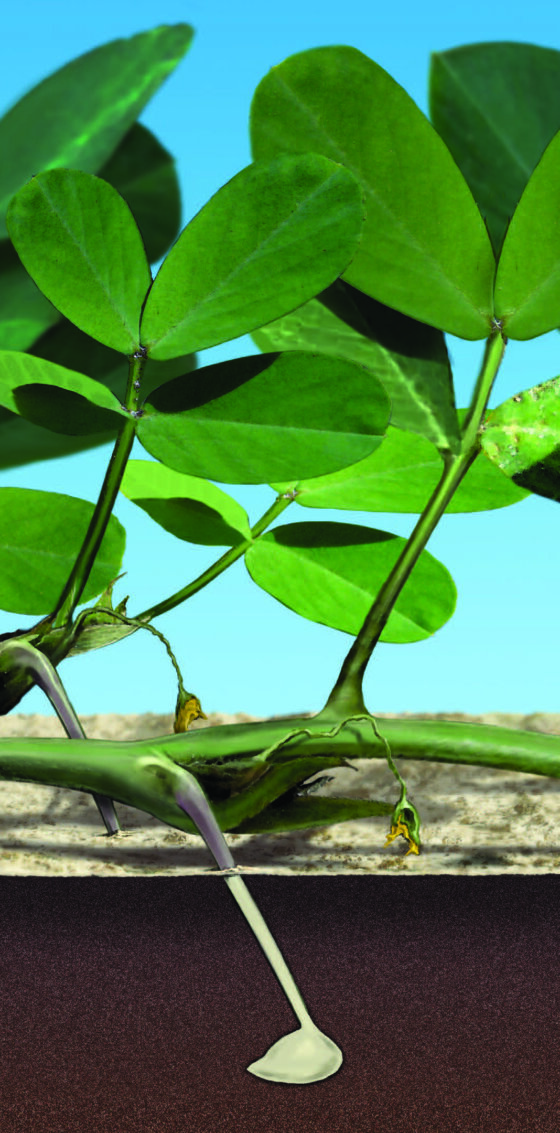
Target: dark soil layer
x,y
135,1005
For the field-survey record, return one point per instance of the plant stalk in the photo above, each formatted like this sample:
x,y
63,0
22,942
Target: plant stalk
x,y
60,639
346,696
221,564
77,580
442,741
117,770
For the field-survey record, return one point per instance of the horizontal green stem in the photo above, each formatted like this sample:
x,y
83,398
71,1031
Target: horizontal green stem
x,y
118,769
443,741
217,568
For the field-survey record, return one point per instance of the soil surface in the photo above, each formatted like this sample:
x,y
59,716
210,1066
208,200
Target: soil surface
x,y
474,820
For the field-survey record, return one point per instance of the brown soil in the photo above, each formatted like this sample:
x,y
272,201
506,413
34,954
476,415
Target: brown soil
x,y
474,820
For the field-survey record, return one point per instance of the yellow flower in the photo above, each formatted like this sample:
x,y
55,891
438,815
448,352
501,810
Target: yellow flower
x,y
402,828
187,712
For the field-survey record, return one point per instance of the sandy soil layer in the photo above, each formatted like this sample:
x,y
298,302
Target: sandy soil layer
x,y
474,820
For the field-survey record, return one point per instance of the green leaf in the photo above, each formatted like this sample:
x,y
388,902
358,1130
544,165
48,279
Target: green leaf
x,y
40,536
69,347
191,509
424,249
301,814
400,476
527,295
98,634
66,346
25,314
408,357
256,786
266,417
78,240
55,398
23,443
99,628
522,437
496,106
267,241
77,116
331,572
143,172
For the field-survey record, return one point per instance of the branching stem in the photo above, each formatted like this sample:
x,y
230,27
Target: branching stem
x,y
221,564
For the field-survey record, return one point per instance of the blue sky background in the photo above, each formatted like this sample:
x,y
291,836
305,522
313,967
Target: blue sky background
x,y
239,649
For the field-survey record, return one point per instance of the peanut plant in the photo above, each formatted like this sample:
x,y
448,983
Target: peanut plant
x,y
357,238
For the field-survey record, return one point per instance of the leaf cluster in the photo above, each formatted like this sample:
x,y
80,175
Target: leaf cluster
x,y
358,237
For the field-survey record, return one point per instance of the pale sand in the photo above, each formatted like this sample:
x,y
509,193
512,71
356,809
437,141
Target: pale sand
x,y
474,820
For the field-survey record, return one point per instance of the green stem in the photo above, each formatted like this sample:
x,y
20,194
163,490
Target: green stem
x,y
81,570
440,741
69,631
221,564
117,770
347,693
